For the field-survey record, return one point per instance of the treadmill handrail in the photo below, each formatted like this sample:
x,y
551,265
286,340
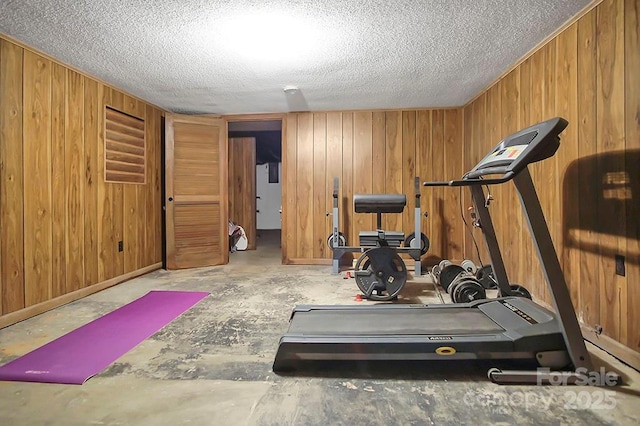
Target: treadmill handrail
x,y
473,182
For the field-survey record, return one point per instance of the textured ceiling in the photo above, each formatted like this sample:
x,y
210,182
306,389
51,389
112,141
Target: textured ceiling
x,y
236,56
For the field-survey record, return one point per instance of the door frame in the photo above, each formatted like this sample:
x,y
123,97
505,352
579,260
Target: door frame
x,y
283,137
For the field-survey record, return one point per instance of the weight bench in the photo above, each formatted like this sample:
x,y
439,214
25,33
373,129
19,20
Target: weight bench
x,y
379,204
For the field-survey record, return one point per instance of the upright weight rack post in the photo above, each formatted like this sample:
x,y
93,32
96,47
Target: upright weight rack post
x,y
417,236
336,224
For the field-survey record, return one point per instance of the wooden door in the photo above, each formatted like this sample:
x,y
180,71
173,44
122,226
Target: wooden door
x,y
196,191
242,186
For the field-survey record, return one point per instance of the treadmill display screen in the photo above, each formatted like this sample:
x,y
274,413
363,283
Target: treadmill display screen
x,y
502,157
507,153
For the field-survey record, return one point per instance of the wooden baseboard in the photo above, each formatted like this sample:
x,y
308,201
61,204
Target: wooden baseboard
x,y
607,344
32,311
611,346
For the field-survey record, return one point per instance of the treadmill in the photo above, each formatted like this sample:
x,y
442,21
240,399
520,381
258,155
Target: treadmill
x,y
506,328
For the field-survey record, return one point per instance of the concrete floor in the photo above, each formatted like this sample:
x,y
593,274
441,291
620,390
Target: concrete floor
x,y
212,365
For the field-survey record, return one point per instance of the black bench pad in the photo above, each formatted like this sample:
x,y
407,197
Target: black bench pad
x,y
379,203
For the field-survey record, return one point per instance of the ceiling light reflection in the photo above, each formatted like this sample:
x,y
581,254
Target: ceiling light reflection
x,y
270,37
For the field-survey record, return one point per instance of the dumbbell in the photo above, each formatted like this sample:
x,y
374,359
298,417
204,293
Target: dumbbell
x,y
460,284
444,263
448,273
435,273
436,269
342,240
465,288
485,276
469,266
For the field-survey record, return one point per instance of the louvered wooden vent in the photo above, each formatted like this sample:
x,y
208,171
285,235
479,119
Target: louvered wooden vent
x,y
124,151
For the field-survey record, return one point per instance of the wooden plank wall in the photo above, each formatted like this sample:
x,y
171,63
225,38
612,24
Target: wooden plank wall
x,y
590,190
60,223
242,186
370,152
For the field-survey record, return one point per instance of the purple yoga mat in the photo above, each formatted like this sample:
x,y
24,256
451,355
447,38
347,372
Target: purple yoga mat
x,y
86,351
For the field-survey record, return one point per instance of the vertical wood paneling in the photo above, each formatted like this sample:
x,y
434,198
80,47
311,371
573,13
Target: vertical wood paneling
x,y
11,178
290,158
526,252
470,145
549,172
567,107
58,218
610,138
153,232
510,100
37,179
589,302
632,139
59,222
378,152
334,164
437,198
588,75
423,166
318,212
346,191
152,206
480,126
141,199
117,205
453,128
108,246
1,181
408,169
467,158
493,134
304,172
362,171
74,178
536,115
393,160
374,152
131,209
157,184
242,189
92,109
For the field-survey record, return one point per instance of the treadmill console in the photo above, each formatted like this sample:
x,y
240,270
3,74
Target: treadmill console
x,y
516,151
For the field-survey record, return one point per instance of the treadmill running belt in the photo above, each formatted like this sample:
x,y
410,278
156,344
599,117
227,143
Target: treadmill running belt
x,y
396,322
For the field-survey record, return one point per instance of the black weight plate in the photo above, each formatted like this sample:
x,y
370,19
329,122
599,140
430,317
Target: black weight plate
x,y
452,289
424,242
468,290
342,241
475,291
448,275
519,291
367,279
380,273
485,276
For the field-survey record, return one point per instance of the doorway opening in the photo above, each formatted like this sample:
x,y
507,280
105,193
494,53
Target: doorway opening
x,y
255,187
